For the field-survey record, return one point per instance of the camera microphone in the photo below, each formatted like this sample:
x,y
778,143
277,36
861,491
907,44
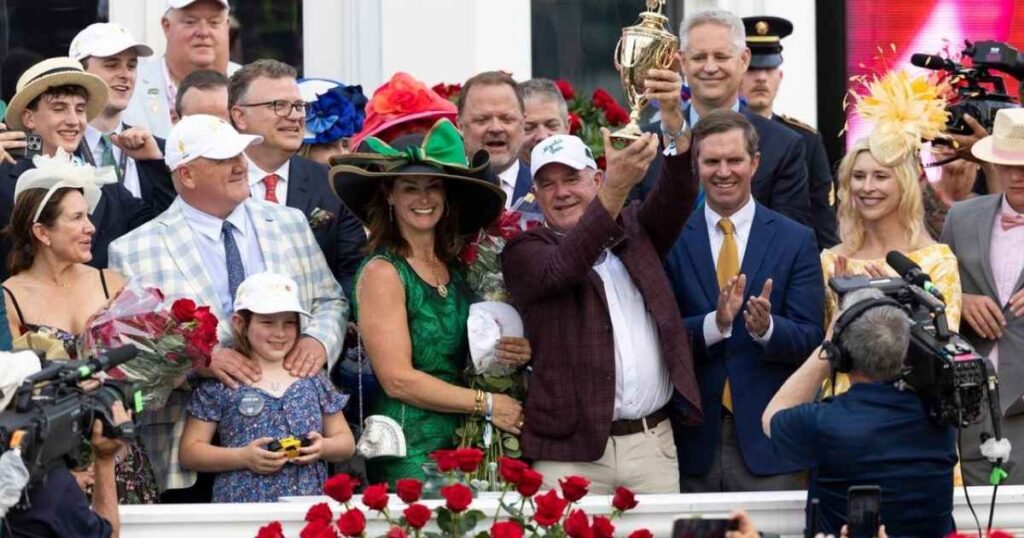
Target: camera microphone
x,y
112,358
912,272
932,61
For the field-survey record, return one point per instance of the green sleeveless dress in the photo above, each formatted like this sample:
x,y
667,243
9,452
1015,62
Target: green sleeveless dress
x,y
437,328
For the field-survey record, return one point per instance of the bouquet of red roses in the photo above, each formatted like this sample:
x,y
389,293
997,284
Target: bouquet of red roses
x,y
172,339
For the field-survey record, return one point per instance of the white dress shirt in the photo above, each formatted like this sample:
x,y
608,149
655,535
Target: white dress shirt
x,y
258,189
508,182
1007,259
642,384
93,136
742,221
206,233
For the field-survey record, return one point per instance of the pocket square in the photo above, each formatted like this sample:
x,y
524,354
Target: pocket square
x,y
320,218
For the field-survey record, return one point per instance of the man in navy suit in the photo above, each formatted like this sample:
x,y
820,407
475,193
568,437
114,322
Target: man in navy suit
x,y
491,117
264,99
737,255
714,58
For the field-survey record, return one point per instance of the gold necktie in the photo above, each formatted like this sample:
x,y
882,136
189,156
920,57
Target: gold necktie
x,y
728,267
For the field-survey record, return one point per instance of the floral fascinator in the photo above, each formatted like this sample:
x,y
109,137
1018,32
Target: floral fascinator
x,y
59,171
334,110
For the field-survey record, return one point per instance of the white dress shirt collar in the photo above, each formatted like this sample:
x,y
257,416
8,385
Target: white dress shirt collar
x,y
742,220
508,182
256,174
211,226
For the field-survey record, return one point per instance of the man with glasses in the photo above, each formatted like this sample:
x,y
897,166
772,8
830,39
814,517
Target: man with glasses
x,y
264,99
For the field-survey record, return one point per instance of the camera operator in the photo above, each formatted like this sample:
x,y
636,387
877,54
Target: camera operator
x,y
874,434
58,507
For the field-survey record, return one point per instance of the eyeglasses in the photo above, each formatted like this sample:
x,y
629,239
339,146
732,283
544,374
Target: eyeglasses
x,y
281,107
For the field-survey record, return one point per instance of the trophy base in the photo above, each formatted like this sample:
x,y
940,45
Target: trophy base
x,y
627,134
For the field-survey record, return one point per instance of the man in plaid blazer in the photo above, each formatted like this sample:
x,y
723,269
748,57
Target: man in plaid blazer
x,y
178,253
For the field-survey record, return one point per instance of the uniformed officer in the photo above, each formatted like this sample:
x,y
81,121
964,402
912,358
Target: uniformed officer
x,y
759,88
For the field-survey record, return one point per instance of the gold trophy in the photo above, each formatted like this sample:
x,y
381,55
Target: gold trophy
x,y
645,45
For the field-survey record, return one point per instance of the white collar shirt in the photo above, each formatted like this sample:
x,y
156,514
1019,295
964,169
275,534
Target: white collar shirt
x,y
257,187
93,138
508,182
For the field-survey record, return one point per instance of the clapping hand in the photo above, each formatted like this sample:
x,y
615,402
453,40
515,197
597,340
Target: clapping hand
x,y
758,314
730,299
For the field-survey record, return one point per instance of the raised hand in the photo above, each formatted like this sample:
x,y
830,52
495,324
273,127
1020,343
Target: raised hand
x,y
758,314
730,299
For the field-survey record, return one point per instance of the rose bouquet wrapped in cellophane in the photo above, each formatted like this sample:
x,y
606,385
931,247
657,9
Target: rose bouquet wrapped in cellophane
x,y
172,339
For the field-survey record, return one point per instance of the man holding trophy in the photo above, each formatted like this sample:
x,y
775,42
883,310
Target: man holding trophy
x,y
610,348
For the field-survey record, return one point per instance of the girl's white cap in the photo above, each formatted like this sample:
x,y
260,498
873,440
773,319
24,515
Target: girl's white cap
x,y
269,293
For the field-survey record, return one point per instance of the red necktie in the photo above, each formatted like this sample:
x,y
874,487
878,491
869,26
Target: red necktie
x,y
270,182
1010,220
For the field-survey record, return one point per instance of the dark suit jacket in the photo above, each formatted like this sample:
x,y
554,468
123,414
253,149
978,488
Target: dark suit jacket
x,y
552,282
341,238
781,179
786,252
821,186
155,183
117,213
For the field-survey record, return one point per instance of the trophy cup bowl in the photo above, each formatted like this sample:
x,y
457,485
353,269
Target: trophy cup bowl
x,y
643,46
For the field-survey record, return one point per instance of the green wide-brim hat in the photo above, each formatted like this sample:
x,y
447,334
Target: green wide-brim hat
x,y
356,177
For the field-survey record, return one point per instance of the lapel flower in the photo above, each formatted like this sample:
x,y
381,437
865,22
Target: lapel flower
x,y
320,218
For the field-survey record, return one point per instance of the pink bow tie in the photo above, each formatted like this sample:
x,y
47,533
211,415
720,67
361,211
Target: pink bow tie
x,y
1010,220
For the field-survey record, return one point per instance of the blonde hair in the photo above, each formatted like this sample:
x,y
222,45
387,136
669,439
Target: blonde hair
x,y
911,208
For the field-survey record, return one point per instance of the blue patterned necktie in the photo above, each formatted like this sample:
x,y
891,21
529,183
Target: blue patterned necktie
x,y
236,272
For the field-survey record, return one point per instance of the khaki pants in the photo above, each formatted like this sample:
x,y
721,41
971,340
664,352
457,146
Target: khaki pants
x,y
644,462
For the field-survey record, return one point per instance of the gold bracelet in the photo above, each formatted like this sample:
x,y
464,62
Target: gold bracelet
x,y
478,406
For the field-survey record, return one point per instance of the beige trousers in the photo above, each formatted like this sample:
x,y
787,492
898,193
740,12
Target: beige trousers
x,y
644,462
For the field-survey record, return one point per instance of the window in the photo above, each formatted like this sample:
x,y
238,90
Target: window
x,y
267,29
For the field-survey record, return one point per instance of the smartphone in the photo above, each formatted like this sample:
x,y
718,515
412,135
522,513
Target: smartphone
x,y
33,147
702,527
863,511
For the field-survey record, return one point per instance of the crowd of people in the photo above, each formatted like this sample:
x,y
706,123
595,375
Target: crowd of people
x,y
674,301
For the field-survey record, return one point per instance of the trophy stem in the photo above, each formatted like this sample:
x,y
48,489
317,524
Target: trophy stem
x,y
631,131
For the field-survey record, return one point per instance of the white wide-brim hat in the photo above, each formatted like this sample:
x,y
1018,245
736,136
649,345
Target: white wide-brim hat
x,y
1006,143
50,73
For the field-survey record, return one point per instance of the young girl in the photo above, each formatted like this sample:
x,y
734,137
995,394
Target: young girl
x,y
251,417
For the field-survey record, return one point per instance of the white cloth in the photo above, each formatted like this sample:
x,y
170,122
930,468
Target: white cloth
x,y
206,232
1007,259
93,137
258,188
742,221
642,384
508,182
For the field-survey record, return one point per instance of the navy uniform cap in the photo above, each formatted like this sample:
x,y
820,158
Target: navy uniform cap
x,y
764,37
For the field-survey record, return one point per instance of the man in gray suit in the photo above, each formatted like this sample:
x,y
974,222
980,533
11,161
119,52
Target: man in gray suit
x,y
986,234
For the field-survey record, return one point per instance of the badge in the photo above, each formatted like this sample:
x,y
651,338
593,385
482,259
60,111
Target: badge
x,y
251,404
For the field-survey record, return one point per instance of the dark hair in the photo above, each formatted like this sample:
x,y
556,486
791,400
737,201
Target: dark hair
x,y
201,79
239,83
65,90
384,232
723,121
19,231
490,78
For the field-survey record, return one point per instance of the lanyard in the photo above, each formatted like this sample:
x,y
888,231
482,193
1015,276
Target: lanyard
x,y
122,164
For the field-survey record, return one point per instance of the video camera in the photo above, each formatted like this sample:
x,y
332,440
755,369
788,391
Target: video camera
x,y
974,98
51,415
941,367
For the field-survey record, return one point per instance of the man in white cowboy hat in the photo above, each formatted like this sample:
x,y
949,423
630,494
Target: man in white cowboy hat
x,y
55,100
987,234
197,34
203,246
108,51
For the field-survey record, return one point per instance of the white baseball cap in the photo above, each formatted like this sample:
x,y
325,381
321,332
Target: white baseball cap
x,y
566,149
178,4
104,39
202,135
268,293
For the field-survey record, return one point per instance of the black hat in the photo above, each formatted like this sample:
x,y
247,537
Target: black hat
x,y
764,37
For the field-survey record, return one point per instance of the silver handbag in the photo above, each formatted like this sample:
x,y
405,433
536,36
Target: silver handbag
x,y
380,435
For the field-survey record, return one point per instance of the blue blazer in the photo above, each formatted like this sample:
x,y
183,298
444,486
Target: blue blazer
x,y
524,181
786,252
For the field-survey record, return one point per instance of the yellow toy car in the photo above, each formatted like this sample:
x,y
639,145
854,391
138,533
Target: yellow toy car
x,y
289,445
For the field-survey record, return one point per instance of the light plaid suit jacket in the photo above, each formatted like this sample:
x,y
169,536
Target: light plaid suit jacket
x,y
162,253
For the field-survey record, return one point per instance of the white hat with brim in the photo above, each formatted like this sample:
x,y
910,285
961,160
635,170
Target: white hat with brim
x,y
178,4
269,293
105,39
564,149
202,135
51,73
17,366
59,171
1006,143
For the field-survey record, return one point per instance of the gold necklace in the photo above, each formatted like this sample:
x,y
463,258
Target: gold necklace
x,y
442,290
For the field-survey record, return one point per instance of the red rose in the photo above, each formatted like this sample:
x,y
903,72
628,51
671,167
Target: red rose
x,y
441,89
457,497
567,92
375,497
575,123
529,482
396,532
417,515
469,459
318,529
641,533
550,508
602,163
340,487
352,523
623,499
511,470
409,490
601,99
577,525
999,533
319,512
273,530
183,310
506,529
603,527
574,488
469,252
616,115
445,460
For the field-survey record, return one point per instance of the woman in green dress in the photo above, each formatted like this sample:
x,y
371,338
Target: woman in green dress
x,y
419,199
